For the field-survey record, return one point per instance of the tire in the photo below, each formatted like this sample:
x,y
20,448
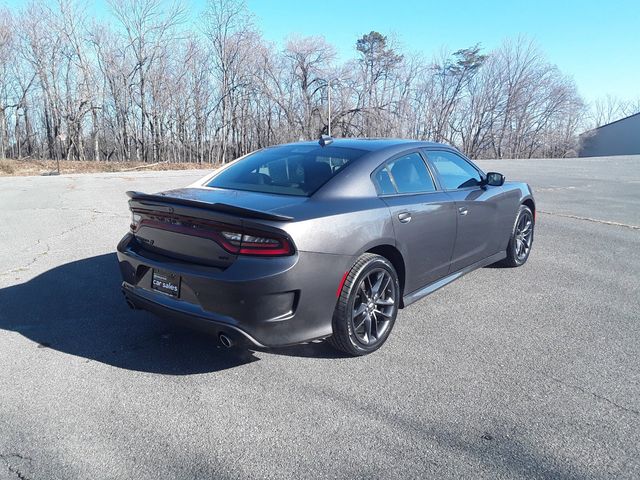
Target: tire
x,y
520,243
374,278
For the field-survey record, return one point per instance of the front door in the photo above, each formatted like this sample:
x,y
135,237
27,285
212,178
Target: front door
x,y
477,208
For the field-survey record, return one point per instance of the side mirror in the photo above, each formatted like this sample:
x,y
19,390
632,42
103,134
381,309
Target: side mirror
x,y
494,179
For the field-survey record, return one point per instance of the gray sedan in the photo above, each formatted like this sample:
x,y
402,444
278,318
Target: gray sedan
x,y
315,240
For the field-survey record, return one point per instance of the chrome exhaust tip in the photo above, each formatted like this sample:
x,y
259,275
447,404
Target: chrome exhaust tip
x,y
225,340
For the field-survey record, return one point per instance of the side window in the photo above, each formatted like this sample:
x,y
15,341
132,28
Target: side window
x,y
409,174
383,180
454,171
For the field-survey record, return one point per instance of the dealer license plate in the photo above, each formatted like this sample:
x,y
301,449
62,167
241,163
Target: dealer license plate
x,y
166,282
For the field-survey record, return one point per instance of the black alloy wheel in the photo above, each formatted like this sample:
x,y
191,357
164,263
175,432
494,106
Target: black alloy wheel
x,y
521,239
373,307
367,308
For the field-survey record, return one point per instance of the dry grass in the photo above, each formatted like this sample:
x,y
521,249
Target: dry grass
x,y
48,167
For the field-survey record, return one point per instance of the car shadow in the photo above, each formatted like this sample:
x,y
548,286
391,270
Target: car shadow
x,y
318,349
497,265
77,308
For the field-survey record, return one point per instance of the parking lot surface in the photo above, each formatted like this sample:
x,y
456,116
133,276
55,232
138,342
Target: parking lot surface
x,y
506,373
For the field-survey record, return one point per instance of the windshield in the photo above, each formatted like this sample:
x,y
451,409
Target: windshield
x,y
289,169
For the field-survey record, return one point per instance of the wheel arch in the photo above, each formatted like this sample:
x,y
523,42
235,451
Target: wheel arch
x,y
531,204
392,254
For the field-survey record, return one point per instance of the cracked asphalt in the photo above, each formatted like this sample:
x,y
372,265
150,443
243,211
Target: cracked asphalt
x,y
507,373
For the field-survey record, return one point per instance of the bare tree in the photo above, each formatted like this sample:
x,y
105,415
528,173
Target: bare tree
x,y
149,30
145,87
7,58
379,63
610,108
308,61
229,30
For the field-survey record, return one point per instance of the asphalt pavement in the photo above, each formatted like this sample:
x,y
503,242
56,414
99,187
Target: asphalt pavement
x,y
531,372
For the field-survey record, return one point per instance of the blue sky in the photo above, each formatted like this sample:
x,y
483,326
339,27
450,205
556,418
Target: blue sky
x,y
596,42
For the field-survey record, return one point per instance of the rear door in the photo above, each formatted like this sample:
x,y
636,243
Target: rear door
x,y
477,207
424,218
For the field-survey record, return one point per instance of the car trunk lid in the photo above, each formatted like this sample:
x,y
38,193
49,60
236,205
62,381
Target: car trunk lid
x,y
209,227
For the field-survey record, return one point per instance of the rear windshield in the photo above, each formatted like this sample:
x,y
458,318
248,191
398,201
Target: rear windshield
x,y
289,170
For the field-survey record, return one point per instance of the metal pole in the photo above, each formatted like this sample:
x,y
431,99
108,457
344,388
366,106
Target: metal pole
x,y
329,86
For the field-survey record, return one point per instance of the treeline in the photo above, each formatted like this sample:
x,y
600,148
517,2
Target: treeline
x,y
147,85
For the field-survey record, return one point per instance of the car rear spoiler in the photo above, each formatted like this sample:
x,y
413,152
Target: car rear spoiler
x,y
151,199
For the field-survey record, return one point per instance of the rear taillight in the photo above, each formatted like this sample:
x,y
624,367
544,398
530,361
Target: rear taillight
x,y
232,238
256,243
135,221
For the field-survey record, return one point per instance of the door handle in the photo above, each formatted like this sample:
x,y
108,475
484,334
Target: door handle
x,y
463,210
404,217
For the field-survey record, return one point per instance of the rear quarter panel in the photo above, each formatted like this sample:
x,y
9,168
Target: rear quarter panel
x,y
347,226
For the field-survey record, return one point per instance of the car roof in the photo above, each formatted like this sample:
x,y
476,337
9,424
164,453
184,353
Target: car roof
x,y
374,144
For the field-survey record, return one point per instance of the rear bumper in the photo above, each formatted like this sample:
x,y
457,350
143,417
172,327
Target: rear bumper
x,y
267,301
185,315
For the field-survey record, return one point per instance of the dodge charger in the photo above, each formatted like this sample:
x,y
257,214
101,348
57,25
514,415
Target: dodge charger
x,y
320,240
